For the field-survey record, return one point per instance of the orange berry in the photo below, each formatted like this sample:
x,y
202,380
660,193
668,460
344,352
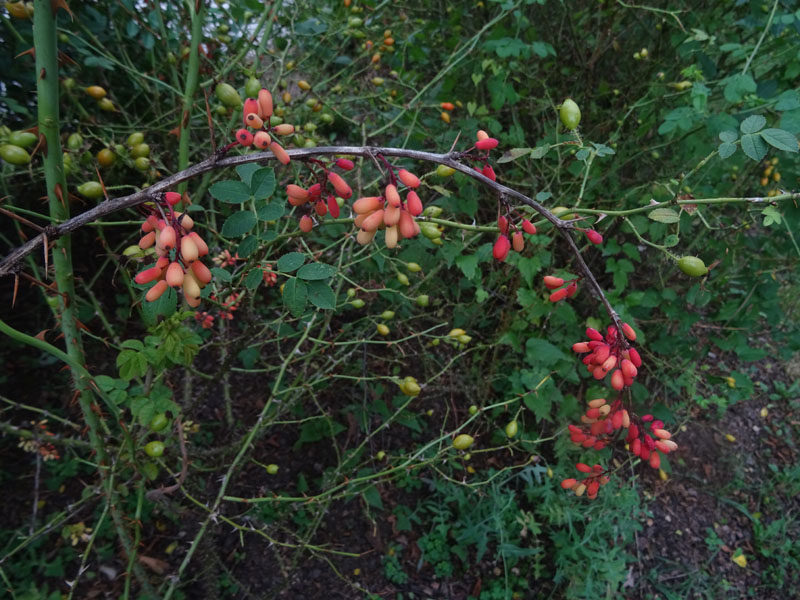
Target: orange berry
x,y
250,107
517,241
340,185
447,106
202,247
201,273
189,250
280,153
174,275
264,104
147,240
408,178
445,117
392,197
306,224
261,140
366,204
284,129
413,203
155,292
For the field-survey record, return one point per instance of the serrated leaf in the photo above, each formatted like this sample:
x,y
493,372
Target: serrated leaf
x,y
780,139
583,154
271,212
513,154
753,124
321,295
771,215
230,191
664,215
291,262
131,364
316,271
726,150
245,172
728,136
238,224
754,146
295,294
221,274
262,183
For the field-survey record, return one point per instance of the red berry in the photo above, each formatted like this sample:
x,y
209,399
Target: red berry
x,y
486,144
488,172
594,237
244,137
172,198
502,224
501,248
528,227
553,282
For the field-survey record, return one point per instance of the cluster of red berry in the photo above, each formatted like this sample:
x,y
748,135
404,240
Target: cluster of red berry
x,y
178,250
590,485
320,197
258,115
603,422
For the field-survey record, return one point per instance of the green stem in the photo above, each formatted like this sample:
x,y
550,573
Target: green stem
x,y
192,77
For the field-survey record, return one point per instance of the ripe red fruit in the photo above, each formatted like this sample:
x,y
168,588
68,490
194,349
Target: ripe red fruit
x,y
174,275
408,178
244,137
148,275
147,240
502,224
295,191
487,144
501,248
250,107
629,332
635,358
340,185
553,282
593,334
321,208
568,484
345,164
333,206
264,104
517,241
528,227
617,380
306,224
392,197
172,198
583,468
279,153
413,203
593,236
558,295
571,289
155,292
488,172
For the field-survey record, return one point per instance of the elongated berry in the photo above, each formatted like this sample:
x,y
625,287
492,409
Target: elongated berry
x,y
147,240
482,135
174,275
553,282
517,241
593,334
155,292
201,273
306,223
528,227
166,239
593,236
250,107
283,129
571,289
408,178
391,215
366,204
372,222
202,247
365,237
254,121
264,104
486,144
501,248
635,358
297,192
391,236
189,250
617,381
148,275
568,484
580,347
558,295
340,185
280,153
413,203
629,332
392,197
172,198
344,163
407,227
333,206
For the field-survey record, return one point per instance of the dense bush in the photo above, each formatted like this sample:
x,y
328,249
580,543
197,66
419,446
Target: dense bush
x,y
397,416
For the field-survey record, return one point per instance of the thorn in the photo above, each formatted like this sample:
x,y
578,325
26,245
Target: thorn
x,y
16,288
46,248
56,4
30,51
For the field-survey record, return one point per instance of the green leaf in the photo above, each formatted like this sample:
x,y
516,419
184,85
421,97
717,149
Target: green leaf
x,y
468,264
728,136
263,183
271,212
726,150
253,279
221,274
291,262
541,352
788,100
664,215
771,215
247,246
316,271
754,147
131,364
321,295
737,86
245,172
295,294
671,240
753,124
238,224
540,151
780,139
540,403
232,192
513,154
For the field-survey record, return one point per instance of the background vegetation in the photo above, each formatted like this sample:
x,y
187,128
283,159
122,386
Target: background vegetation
x,y
309,471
